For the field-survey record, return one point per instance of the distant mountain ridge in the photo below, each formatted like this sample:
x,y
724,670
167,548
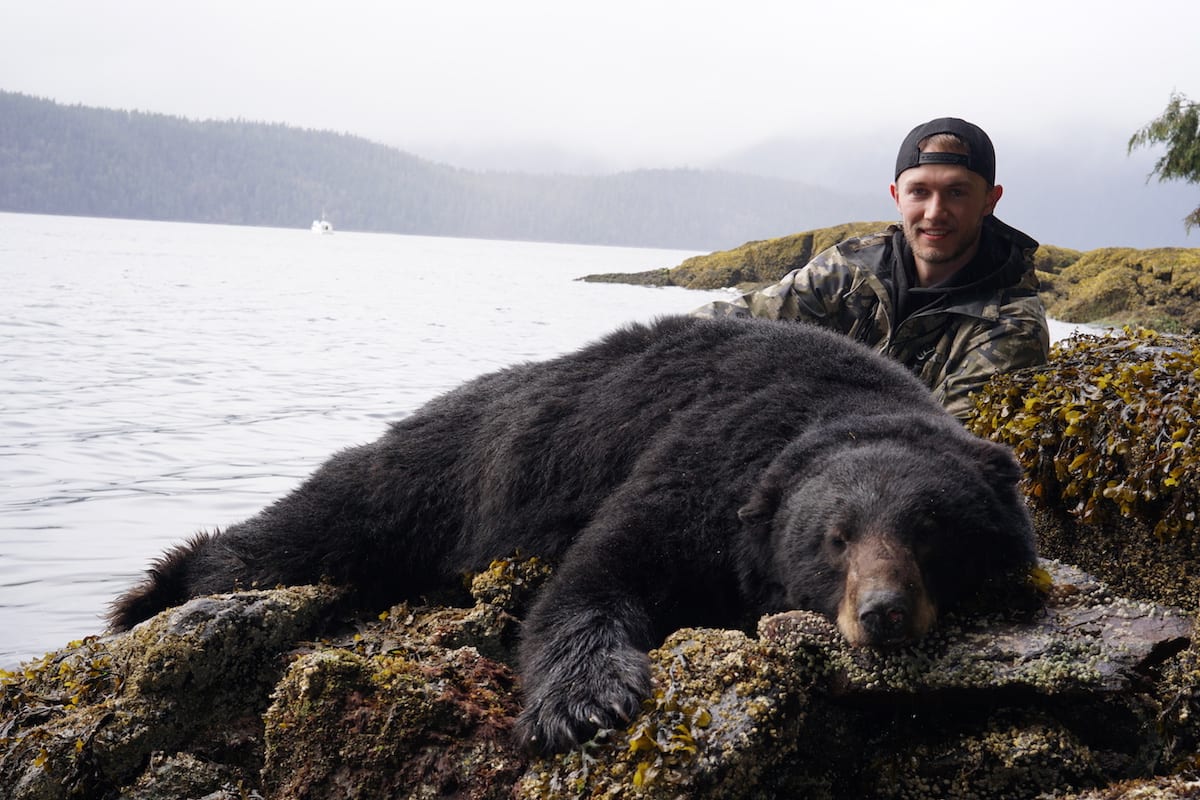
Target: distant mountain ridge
x,y
78,160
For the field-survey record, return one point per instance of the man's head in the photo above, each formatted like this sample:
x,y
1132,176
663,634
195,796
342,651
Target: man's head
x,y
944,188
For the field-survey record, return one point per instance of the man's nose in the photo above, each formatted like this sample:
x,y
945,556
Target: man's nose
x,y
934,207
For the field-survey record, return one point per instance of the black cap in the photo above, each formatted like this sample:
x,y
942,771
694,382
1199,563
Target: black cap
x,y
981,161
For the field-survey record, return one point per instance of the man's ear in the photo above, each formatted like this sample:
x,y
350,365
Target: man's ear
x,y
993,197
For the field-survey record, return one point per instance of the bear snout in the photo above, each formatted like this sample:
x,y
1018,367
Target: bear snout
x,y
884,602
884,617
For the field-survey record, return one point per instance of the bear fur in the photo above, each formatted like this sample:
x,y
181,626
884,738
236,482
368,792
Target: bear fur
x,y
684,473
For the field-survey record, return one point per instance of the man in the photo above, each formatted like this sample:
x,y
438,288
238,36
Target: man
x,y
950,292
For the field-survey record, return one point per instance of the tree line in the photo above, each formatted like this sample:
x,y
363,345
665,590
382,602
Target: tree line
x,y
79,160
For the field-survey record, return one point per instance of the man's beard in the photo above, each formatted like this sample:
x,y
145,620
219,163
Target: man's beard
x,y
938,256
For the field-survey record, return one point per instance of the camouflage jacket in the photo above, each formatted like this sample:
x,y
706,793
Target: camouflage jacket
x,y
954,344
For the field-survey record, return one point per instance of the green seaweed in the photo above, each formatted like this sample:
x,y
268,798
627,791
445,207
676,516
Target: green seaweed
x,y
1107,432
1107,436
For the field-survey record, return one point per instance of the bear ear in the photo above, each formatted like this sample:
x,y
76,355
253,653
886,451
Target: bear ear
x,y
761,507
999,464
769,490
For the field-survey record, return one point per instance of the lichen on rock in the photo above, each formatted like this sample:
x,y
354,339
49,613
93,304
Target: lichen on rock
x,y
392,726
751,265
1157,287
719,697
275,695
86,720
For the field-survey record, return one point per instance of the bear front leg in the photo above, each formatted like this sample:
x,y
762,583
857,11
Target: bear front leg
x,y
584,665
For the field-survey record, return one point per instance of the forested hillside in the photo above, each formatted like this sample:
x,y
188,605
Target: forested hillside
x,y
86,161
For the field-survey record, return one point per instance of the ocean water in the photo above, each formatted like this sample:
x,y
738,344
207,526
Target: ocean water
x,y
157,379
161,378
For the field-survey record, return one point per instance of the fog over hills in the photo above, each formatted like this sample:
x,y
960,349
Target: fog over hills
x,y
1082,194
79,160
61,159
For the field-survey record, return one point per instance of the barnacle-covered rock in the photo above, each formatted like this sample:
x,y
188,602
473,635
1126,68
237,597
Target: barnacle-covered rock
x,y
134,710
430,724
417,703
1009,706
996,707
186,775
1174,787
1083,639
235,696
86,720
724,720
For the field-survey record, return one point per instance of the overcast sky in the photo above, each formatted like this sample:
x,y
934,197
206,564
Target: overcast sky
x,y
652,82
632,83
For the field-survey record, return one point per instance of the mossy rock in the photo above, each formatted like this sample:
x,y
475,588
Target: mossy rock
x,y
763,262
1052,260
387,724
753,264
1001,707
1157,288
405,704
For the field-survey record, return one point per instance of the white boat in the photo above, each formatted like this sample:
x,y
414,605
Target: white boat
x,y
322,225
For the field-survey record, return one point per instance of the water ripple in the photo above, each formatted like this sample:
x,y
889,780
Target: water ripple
x,y
159,378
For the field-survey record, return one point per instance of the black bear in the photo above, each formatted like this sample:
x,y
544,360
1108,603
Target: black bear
x,y
687,472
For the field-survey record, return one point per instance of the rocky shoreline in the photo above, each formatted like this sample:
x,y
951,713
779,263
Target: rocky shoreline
x,y
275,694
287,694
1157,288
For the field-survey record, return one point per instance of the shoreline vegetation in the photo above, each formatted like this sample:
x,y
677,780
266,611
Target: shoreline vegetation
x,y
1157,288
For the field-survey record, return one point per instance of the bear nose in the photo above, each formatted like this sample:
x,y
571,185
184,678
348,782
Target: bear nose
x,y
884,617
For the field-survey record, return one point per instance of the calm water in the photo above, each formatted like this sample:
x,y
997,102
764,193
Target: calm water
x,y
160,378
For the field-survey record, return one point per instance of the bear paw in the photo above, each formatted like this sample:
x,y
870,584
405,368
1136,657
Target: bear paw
x,y
573,701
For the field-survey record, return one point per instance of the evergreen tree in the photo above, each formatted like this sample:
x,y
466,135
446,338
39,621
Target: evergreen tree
x,y
1179,128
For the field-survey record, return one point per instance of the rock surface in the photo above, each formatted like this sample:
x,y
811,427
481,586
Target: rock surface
x,y
1157,288
753,264
273,694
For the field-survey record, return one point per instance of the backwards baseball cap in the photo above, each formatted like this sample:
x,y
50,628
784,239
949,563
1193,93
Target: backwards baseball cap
x,y
981,161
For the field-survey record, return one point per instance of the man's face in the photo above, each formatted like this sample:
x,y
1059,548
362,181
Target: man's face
x,y
942,207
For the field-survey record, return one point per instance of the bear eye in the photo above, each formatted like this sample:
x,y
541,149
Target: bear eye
x,y
837,540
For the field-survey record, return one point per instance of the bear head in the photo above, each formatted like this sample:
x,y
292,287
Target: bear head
x,y
883,524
